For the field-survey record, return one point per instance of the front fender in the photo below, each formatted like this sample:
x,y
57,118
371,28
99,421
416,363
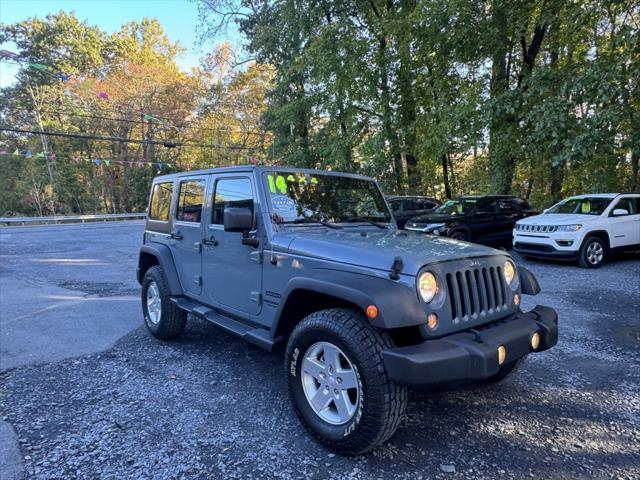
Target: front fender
x,y
397,302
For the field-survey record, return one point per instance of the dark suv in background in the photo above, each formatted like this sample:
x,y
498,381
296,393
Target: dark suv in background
x,y
486,219
407,207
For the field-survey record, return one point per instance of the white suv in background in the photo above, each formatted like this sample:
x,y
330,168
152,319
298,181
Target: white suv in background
x,y
583,228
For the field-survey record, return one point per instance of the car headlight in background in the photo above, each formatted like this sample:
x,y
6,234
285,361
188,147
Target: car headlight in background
x,y
428,286
509,271
568,228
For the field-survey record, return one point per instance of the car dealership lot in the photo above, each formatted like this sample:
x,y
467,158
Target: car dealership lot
x,y
86,392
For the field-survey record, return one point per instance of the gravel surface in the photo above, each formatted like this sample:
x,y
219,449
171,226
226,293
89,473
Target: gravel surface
x,y
209,405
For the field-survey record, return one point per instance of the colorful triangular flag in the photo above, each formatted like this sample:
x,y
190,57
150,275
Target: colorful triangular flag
x,y
28,154
107,162
16,152
97,161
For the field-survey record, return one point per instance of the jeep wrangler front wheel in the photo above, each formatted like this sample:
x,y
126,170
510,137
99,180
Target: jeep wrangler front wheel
x,y
163,318
338,384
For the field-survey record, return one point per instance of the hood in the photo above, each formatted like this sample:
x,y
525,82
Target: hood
x,y
435,218
558,219
377,249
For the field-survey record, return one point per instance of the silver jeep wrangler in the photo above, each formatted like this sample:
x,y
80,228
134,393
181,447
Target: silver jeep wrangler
x,y
312,261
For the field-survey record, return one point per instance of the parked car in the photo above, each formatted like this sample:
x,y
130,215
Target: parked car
x,y
485,219
407,207
312,261
585,228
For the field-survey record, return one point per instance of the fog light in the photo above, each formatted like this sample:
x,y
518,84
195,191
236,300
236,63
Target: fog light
x,y
372,311
502,354
535,341
516,299
432,321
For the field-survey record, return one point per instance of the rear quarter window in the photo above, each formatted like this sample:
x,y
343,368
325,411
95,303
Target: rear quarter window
x,y
160,201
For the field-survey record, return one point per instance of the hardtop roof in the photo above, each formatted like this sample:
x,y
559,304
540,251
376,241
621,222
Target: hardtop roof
x,y
252,168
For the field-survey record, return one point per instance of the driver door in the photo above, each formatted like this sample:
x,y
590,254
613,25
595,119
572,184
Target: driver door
x,y
625,229
232,271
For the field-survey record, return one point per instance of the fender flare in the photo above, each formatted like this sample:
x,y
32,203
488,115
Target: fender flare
x,y
528,282
162,253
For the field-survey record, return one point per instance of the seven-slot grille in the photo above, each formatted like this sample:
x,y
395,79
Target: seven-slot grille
x,y
476,292
536,228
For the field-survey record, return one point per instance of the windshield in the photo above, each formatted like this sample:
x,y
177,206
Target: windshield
x,y
582,206
302,198
456,207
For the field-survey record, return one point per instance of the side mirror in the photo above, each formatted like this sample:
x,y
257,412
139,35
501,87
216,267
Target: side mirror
x,y
619,212
238,220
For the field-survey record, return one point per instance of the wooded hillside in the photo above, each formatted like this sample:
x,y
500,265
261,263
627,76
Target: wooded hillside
x,y
440,97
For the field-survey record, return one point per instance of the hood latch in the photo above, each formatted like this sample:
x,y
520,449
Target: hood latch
x,y
396,268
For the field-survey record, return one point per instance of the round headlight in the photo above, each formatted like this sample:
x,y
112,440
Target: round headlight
x,y
509,272
427,286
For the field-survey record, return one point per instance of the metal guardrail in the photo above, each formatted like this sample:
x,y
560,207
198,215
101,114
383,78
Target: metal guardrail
x,y
7,221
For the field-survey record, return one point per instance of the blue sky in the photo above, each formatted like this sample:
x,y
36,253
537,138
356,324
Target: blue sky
x,y
178,17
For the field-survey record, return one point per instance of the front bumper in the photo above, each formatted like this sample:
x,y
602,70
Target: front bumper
x,y
544,251
471,355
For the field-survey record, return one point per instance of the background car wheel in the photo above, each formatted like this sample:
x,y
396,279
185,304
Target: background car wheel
x,y
338,384
503,373
460,235
592,253
162,317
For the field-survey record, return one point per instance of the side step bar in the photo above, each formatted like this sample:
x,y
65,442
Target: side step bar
x,y
257,336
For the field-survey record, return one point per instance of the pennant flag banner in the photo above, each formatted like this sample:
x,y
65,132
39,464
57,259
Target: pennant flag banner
x,y
39,66
98,161
103,95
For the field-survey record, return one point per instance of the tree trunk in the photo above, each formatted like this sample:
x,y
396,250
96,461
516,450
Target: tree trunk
x,y
445,175
501,159
634,171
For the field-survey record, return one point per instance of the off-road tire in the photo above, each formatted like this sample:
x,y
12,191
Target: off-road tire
x,y
382,402
583,254
173,319
503,373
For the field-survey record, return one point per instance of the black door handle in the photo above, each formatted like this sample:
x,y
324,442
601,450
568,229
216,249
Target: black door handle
x,y
210,241
176,236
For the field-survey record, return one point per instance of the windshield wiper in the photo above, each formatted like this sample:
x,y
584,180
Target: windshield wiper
x,y
366,220
314,220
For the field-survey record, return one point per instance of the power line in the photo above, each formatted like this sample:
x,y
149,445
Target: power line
x,y
124,140
139,122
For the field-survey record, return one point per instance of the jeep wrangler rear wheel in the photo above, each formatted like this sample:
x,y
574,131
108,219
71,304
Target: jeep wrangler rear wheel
x,y
162,317
338,384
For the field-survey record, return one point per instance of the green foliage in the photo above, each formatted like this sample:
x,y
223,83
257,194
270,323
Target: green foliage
x,y
448,97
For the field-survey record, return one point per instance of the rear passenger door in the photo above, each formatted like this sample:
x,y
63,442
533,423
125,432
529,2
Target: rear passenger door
x,y
482,221
507,215
625,229
186,234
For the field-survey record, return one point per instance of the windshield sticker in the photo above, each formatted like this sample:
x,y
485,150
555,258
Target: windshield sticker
x,y
586,207
283,204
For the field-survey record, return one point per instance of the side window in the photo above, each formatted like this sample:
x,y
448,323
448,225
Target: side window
x,y
506,206
231,193
190,199
520,204
160,201
629,204
395,206
486,206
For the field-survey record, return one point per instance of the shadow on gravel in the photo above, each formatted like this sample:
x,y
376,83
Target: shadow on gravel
x,y
211,405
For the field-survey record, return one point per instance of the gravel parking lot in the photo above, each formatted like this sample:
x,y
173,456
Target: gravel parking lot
x,y
86,392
